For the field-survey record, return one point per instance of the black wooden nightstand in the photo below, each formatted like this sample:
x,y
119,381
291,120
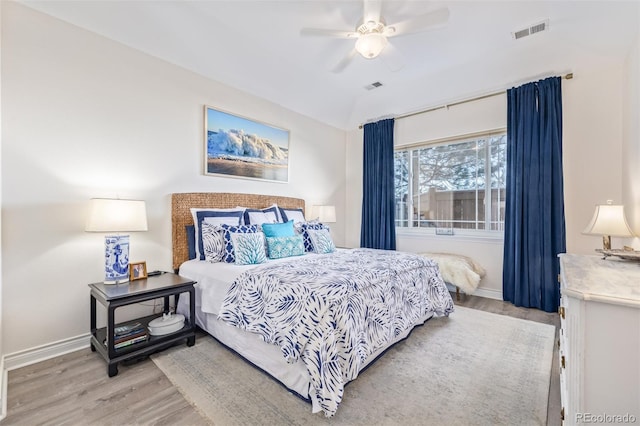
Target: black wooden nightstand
x,y
115,296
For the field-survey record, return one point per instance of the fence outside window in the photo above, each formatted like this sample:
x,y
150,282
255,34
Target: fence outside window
x,y
458,183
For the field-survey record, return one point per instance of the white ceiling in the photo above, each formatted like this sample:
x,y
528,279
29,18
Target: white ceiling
x,y
256,46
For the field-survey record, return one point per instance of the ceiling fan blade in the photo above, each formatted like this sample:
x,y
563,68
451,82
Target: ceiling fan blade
x,y
372,10
393,58
420,23
320,32
340,66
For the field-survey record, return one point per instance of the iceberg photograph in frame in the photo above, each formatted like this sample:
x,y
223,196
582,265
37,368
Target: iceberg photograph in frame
x,y
236,146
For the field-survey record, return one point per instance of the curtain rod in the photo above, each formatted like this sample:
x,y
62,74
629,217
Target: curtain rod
x,y
477,98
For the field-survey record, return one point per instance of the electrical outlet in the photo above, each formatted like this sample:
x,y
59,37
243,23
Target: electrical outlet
x,y
444,231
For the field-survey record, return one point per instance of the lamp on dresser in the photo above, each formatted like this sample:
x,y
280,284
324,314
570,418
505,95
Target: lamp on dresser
x,y
609,221
115,216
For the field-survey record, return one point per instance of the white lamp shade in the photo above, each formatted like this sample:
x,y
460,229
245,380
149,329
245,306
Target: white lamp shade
x,y
609,220
325,214
370,45
112,215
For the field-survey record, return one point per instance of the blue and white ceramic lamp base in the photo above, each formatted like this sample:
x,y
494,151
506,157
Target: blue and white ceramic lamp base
x,y
116,259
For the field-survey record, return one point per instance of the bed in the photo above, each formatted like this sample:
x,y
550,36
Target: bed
x,y
312,322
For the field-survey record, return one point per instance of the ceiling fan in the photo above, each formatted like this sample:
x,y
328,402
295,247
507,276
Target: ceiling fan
x,y
372,32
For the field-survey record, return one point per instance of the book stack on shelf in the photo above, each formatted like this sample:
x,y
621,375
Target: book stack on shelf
x,y
129,334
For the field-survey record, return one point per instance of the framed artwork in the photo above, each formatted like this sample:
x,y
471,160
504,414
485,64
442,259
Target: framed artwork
x,y
236,146
137,271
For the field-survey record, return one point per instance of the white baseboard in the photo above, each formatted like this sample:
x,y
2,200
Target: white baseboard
x,y
482,292
488,293
44,352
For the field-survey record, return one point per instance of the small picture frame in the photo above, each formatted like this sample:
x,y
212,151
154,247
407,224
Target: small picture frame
x,y
137,271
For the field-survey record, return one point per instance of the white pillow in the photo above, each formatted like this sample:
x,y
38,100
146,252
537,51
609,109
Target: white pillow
x,y
258,218
295,214
278,215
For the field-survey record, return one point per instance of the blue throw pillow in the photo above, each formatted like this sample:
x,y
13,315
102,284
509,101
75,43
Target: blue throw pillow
x,y
191,240
229,255
278,229
285,246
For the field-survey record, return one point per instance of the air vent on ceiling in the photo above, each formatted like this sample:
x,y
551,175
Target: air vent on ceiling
x,y
373,85
536,28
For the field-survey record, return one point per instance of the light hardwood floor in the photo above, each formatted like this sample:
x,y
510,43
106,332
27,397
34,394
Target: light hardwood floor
x,y
74,389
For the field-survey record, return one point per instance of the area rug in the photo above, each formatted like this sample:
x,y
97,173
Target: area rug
x,y
473,368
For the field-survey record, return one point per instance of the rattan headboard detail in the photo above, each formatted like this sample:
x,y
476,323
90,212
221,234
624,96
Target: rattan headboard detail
x,y
181,215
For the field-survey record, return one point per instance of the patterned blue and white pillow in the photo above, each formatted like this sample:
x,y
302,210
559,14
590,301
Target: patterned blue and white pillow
x,y
321,241
304,228
285,246
248,248
229,256
215,217
212,242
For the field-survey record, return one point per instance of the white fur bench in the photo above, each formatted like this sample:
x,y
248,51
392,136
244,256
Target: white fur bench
x,y
460,271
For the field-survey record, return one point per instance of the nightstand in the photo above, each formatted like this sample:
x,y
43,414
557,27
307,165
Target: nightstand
x,y
114,296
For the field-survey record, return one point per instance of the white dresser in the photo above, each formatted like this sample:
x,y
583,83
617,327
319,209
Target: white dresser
x,y
599,340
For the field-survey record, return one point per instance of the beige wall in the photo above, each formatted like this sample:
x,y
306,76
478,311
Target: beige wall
x,y
86,117
592,106
592,143
3,388
631,141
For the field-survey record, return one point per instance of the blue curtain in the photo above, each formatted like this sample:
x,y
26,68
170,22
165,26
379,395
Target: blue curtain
x,y
534,211
378,199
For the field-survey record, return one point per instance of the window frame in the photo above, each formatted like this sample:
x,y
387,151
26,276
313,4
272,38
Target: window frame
x,y
478,235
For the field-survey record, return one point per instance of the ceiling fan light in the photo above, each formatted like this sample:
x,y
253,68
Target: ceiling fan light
x,y
370,45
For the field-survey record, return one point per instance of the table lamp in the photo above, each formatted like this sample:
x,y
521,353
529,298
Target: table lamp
x,y
114,216
609,221
325,214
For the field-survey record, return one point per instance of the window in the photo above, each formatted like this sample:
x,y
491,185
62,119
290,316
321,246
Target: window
x,y
455,184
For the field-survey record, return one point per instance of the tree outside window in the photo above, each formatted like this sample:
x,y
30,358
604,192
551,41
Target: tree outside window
x,y
457,184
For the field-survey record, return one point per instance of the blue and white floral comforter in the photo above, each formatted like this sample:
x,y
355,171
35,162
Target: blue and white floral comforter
x,y
332,311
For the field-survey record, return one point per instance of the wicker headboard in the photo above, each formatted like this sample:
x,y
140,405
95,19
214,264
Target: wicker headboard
x,y
181,215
